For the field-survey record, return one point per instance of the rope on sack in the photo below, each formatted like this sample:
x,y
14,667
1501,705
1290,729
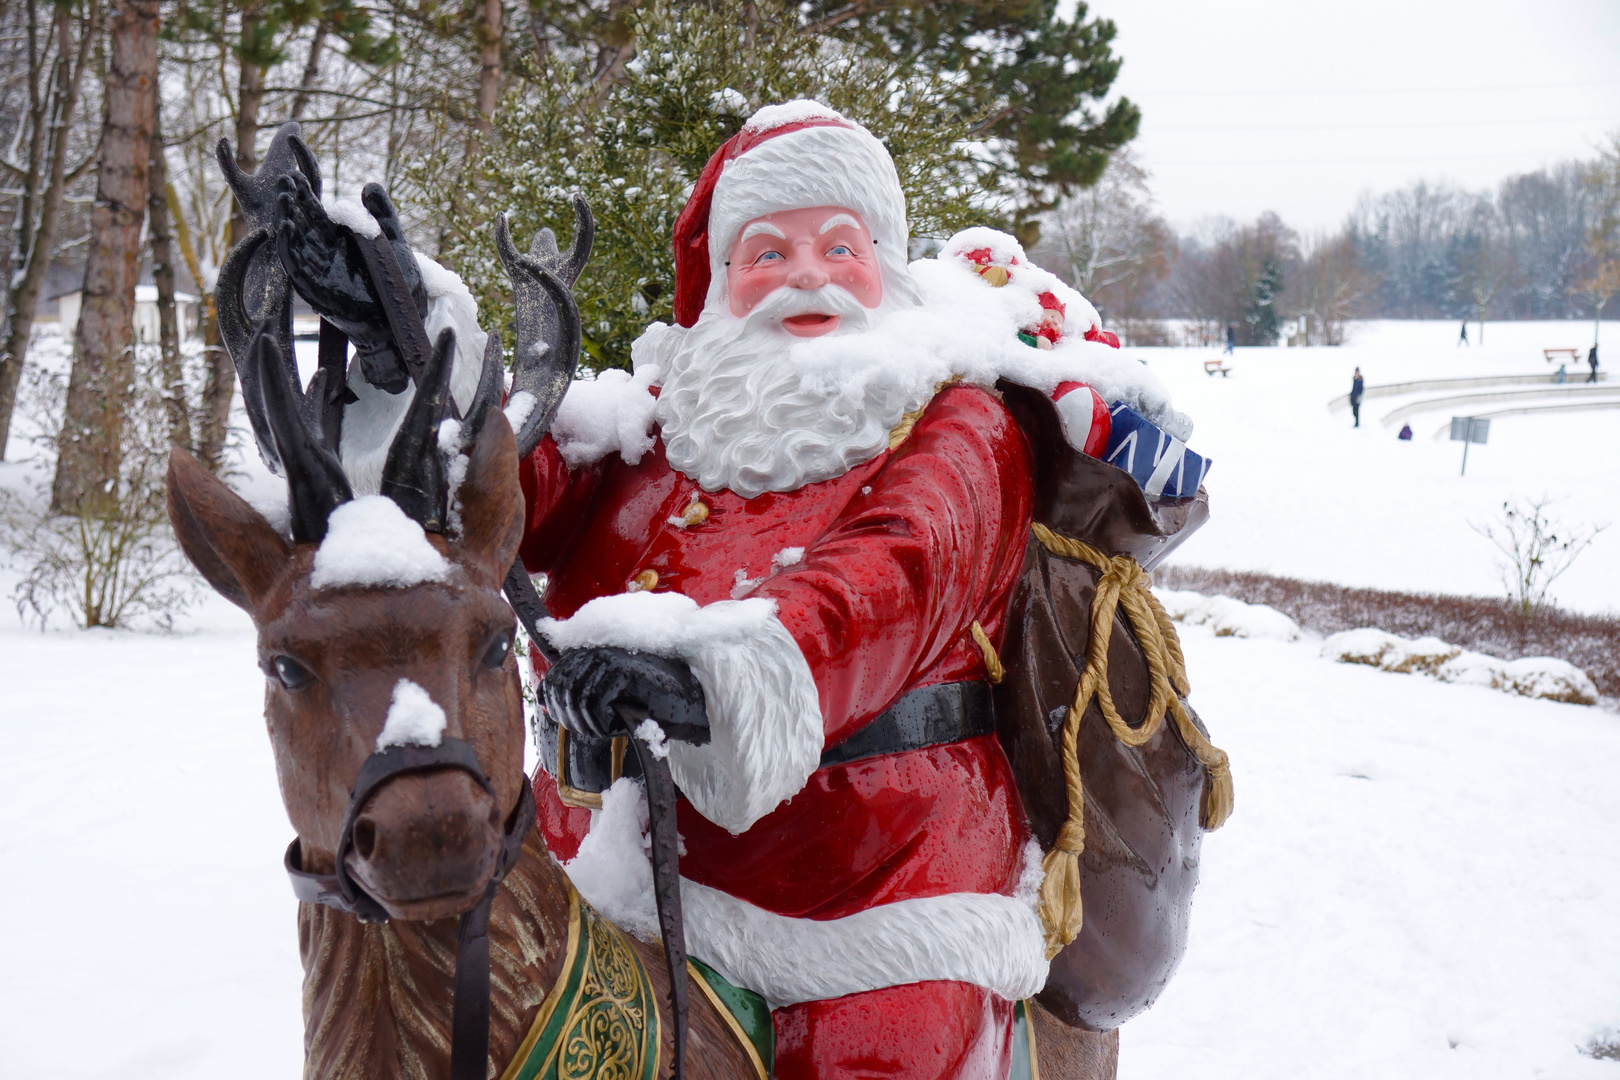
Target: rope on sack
x,y
1123,583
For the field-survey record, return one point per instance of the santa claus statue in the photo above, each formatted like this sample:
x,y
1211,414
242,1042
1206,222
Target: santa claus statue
x,y
798,524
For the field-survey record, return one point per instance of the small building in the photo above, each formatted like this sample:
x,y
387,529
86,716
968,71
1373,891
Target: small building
x,y
146,313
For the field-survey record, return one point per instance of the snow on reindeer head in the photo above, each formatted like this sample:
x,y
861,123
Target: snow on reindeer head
x,y
795,230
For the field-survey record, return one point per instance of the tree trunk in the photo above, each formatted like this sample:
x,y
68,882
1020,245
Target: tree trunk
x,y
219,384
490,32
312,71
36,229
89,452
250,95
171,368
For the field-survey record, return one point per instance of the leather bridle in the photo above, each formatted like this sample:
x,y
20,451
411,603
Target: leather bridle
x,y
469,1026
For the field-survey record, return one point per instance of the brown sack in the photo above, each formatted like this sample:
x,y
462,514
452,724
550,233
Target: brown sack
x,y
1142,804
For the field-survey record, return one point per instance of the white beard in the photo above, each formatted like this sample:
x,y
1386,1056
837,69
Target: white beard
x,y
737,411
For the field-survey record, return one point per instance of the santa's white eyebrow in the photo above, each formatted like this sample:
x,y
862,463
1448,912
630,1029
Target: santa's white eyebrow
x,y
761,228
840,219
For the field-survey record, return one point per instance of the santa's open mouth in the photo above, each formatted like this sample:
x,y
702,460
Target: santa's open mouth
x,y
809,324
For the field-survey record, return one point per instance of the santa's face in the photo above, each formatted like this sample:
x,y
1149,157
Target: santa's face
x,y
806,250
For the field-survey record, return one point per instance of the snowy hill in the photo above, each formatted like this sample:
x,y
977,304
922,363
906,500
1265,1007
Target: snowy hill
x,y
1295,490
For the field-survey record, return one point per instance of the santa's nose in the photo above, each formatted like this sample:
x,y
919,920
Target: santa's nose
x,y
807,277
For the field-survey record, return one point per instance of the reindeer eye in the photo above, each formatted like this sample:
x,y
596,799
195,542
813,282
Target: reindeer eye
x,y
495,655
290,673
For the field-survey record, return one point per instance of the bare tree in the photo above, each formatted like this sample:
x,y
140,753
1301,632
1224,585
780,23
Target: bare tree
x,y
1329,287
1108,237
89,455
157,212
56,55
1536,549
1601,281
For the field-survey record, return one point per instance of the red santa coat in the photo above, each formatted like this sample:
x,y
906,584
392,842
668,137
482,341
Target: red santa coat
x,y
901,556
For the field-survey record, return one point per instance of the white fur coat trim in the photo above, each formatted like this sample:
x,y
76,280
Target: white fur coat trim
x,y
764,713
986,939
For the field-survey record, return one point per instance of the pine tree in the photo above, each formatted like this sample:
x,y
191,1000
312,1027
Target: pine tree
x,y
1261,315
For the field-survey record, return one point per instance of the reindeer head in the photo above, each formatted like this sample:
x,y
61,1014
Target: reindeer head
x,y
347,652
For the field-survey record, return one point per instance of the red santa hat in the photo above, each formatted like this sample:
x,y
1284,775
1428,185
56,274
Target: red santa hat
x,y
786,157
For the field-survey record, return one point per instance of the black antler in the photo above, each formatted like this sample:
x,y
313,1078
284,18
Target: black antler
x,y
548,328
316,484
413,475
254,293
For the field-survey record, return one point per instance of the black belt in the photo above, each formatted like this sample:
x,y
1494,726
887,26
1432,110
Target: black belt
x,y
927,716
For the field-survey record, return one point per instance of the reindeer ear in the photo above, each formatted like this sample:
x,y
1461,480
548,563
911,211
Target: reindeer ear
x,y
229,542
491,503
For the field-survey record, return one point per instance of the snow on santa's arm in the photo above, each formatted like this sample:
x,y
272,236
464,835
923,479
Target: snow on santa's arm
x,y
611,413
764,721
370,541
899,578
414,718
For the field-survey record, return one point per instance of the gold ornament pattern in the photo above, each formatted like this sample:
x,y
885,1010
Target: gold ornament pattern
x,y
600,1021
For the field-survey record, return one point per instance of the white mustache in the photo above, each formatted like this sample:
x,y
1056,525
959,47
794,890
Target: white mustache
x,y
787,302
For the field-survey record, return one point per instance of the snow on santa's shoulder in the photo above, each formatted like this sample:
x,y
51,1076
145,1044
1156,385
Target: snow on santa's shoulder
x,y
610,414
966,328
350,213
370,541
798,111
414,718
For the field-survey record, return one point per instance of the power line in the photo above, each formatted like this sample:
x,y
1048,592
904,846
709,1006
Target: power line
x,y
1397,127
1346,161
1366,90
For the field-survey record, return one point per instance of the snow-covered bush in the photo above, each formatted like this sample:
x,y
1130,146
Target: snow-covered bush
x,y
1228,617
1532,676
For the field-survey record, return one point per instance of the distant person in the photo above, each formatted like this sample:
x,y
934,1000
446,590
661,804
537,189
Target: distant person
x,y
1356,386
1462,339
1562,375
1231,338
1591,358
1406,432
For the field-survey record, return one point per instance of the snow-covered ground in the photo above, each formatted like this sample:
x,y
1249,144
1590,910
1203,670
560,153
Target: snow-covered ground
x,y
1295,490
1419,881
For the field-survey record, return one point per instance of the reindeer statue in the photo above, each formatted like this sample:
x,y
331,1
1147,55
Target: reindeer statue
x,y
439,938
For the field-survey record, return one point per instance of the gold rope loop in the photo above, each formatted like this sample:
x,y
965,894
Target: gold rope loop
x,y
1122,583
992,660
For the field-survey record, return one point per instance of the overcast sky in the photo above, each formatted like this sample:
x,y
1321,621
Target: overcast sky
x,y
1299,106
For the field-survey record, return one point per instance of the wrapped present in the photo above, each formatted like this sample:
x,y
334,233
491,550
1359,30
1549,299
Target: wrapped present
x,y
1159,462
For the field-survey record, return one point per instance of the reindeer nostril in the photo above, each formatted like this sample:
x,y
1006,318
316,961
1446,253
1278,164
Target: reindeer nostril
x,y
365,838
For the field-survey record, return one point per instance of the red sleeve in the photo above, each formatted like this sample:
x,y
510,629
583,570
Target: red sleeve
x,y
934,544
555,497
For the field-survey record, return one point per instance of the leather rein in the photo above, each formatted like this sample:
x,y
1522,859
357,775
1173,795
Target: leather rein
x,y
469,1025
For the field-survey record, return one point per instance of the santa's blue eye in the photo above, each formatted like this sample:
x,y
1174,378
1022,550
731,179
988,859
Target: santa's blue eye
x,y
840,250
768,256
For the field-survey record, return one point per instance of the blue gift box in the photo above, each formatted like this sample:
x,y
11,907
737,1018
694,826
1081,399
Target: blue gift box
x,y
1160,463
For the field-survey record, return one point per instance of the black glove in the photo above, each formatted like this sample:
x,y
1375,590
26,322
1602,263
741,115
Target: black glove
x,y
325,265
585,689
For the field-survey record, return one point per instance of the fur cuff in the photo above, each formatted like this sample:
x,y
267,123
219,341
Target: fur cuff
x,y
764,713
